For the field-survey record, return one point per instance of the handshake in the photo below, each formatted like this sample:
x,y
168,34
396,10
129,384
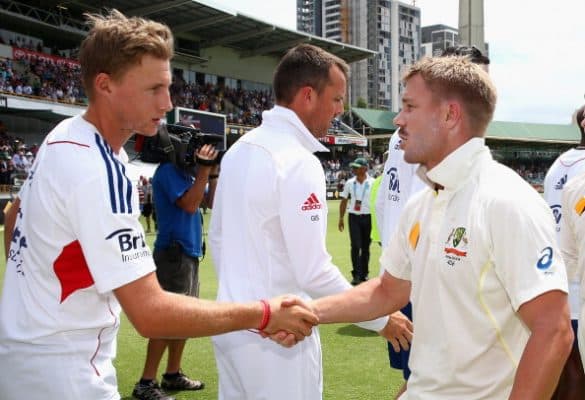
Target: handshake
x,y
289,319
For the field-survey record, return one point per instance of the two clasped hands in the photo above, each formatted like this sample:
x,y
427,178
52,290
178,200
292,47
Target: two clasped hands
x,y
291,319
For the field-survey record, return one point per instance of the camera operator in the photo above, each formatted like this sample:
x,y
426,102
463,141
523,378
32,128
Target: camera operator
x,y
179,190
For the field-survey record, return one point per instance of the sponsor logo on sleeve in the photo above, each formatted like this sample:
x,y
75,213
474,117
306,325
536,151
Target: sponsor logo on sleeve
x,y
545,259
393,184
312,203
557,213
561,183
414,235
580,206
131,244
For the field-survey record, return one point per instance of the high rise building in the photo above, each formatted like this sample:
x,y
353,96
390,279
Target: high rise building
x,y
436,38
389,27
309,15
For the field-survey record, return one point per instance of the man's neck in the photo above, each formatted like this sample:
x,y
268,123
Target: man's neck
x,y
106,128
360,178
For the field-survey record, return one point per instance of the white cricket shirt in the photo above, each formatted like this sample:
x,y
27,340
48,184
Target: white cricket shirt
x,y
568,165
76,238
474,252
267,238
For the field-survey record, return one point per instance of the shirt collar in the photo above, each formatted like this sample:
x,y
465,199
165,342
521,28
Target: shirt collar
x,y
454,170
281,115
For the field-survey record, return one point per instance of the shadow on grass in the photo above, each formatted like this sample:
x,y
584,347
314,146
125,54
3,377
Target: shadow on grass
x,y
352,330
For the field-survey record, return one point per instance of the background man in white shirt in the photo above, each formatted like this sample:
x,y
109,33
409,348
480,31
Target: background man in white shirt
x,y
356,191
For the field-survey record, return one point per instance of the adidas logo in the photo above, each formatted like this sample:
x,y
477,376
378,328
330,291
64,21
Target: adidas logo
x,y
312,203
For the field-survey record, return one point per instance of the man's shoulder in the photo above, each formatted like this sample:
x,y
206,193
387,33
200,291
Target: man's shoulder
x,y
166,170
576,186
73,133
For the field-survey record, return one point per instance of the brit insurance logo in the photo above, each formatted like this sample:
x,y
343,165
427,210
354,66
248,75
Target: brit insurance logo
x,y
456,246
131,244
393,184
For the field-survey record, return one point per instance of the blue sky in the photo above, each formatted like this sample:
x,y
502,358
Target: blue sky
x,y
537,50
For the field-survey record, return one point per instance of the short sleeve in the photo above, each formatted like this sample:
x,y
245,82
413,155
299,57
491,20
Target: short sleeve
x,y
526,256
104,218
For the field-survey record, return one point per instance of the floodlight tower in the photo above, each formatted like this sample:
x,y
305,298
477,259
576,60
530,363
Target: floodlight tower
x,y
471,25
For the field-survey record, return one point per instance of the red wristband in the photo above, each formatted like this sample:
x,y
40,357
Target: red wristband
x,y
265,315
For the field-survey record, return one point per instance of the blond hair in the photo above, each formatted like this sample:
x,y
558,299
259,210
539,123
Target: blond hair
x,y
458,78
115,43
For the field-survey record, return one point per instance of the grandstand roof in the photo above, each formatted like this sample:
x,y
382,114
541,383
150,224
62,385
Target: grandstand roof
x,y
197,24
529,132
381,121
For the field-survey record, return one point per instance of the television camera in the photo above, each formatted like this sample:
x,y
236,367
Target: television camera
x,y
177,144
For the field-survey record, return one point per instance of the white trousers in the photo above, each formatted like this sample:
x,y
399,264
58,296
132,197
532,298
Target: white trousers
x,y
253,368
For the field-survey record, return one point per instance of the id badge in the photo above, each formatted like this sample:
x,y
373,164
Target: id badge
x,y
357,206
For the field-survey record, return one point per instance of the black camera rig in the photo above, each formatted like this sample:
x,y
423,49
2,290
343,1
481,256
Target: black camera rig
x,y
177,144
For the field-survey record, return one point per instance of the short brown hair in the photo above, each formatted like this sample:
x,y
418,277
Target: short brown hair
x,y
304,65
116,42
459,78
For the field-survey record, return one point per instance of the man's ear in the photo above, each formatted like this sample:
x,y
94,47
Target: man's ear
x,y
452,113
103,83
303,99
307,94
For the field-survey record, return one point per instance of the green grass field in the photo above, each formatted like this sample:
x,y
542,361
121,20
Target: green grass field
x,y
355,361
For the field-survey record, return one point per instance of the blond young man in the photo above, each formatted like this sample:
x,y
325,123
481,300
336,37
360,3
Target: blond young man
x,y
475,252
76,251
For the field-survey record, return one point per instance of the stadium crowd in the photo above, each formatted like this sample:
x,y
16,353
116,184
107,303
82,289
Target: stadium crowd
x,y
242,107
60,81
42,77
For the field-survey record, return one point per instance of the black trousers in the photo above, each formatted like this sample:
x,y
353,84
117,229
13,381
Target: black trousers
x,y
360,227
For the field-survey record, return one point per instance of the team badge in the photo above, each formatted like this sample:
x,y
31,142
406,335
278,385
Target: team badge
x,y
456,245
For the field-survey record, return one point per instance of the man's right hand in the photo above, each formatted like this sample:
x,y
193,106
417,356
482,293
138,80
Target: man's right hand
x,y
292,315
398,331
341,225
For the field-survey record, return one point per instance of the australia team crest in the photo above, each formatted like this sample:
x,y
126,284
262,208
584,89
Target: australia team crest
x,y
456,245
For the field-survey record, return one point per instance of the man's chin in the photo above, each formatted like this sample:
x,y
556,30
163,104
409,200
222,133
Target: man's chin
x,y
147,132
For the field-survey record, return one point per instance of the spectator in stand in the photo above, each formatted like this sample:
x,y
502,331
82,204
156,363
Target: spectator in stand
x,y
18,160
27,160
4,173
